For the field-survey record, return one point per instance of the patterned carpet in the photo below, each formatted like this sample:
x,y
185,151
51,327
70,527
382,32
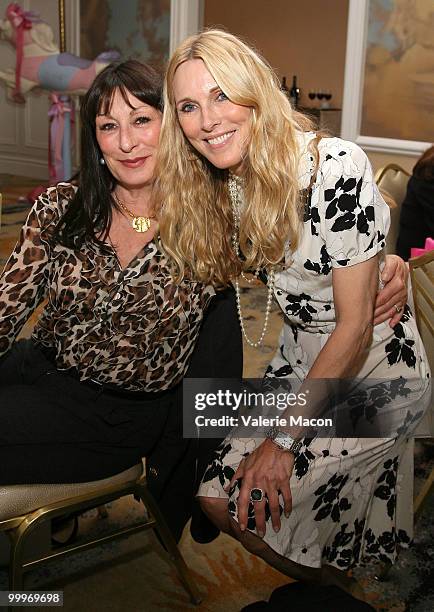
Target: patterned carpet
x,y
134,574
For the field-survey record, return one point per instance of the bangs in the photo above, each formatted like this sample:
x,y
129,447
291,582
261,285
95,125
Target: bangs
x,y
106,99
130,78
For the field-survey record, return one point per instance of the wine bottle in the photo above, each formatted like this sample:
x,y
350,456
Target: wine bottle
x,y
294,92
284,87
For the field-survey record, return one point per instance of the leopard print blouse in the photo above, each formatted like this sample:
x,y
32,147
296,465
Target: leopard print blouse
x,y
134,328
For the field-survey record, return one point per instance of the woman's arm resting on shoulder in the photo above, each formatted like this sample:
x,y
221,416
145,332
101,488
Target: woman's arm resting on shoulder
x,y
394,293
354,291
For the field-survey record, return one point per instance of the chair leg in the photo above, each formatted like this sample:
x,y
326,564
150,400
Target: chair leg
x,y
171,546
16,561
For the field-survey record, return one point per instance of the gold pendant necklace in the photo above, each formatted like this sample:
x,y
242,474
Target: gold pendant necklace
x,y
140,224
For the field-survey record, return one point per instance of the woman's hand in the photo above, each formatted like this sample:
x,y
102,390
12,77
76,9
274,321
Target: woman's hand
x,y
268,468
394,294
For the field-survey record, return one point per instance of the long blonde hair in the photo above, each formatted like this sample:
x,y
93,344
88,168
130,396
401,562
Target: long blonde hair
x,y
197,224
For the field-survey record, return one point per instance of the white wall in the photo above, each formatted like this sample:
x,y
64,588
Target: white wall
x,y
296,37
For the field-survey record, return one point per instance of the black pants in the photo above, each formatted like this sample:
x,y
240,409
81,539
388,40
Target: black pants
x,y
54,429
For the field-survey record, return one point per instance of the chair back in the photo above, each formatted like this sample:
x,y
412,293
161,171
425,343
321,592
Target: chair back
x,y
393,179
422,281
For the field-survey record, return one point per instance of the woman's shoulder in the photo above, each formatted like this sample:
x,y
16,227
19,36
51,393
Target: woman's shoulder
x,y
420,195
58,195
55,199
338,158
336,147
328,145
421,184
50,206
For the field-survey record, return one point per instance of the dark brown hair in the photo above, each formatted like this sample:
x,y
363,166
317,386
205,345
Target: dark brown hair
x,y
424,168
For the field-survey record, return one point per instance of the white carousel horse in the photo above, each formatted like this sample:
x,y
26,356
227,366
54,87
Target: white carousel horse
x,y
38,60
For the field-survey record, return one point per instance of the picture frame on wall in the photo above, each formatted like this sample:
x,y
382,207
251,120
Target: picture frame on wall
x,y
389,76
146,30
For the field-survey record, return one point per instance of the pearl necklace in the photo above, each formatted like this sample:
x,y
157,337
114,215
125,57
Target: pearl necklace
x,y
235,195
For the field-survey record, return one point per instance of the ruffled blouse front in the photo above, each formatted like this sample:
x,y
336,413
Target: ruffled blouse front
x,y
132,327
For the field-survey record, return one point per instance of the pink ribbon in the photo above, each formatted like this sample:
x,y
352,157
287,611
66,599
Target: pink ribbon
x,y
56,117
21,20
429,246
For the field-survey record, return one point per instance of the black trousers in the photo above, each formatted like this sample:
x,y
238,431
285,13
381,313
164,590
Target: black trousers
x,y
54,429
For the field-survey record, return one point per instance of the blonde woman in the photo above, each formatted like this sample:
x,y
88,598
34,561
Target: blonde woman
x,y
248,186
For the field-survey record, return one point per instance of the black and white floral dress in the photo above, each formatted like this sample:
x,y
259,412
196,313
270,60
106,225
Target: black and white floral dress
x,y
352,497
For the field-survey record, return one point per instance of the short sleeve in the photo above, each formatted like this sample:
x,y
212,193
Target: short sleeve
x,y
354,218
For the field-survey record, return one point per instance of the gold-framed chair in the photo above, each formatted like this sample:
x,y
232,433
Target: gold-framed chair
x,y
393,179
23,508
422,281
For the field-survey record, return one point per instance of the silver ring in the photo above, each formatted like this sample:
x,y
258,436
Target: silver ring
x,y
256,495
397,308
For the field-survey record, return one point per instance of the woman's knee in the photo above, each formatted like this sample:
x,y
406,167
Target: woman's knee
x,y
217,510
212,505
250,541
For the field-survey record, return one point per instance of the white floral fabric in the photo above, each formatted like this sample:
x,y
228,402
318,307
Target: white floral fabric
x,y
352,497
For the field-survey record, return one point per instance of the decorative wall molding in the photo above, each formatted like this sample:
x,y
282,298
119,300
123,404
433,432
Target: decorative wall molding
x,y
353,89
186,17
30,166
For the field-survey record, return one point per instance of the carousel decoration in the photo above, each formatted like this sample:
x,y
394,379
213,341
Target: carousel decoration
x,y
41,64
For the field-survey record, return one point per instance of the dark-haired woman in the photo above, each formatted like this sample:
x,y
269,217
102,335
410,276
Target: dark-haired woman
x,y
416,222
97,387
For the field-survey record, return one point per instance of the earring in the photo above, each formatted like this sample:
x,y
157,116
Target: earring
x,y
102,161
